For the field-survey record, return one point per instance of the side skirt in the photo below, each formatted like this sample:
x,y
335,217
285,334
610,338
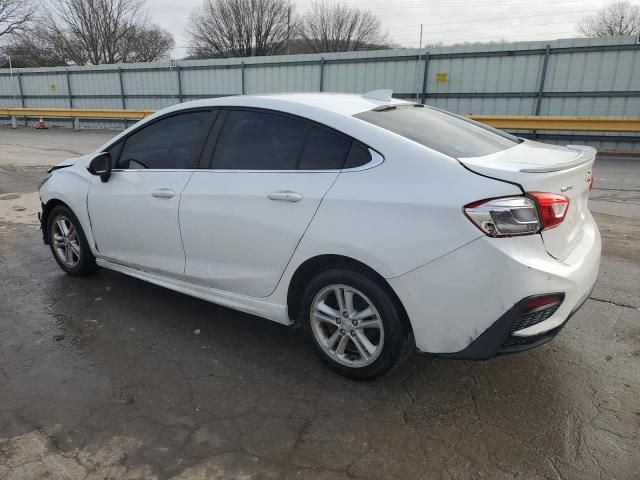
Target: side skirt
x,y
243,303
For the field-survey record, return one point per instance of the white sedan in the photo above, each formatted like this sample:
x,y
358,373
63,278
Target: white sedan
x,y
379,226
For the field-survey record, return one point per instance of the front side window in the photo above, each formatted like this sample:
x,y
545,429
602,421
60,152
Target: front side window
x,y
443,132
114,151
169,143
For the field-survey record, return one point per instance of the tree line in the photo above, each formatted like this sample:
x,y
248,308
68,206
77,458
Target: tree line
x,y
92,32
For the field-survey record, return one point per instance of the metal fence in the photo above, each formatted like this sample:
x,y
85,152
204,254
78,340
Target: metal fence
x,y
592,77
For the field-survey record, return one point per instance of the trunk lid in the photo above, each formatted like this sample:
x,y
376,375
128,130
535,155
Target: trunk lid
x,y
538,167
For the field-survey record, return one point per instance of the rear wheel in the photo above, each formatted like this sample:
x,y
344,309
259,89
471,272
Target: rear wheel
x,y
68,243
355,324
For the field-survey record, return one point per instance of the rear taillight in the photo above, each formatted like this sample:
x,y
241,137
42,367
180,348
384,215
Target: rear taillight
x,y
553,208
523,215
504,217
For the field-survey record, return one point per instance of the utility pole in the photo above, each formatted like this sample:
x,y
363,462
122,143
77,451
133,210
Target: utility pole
x,y
418,61
288,27
11,75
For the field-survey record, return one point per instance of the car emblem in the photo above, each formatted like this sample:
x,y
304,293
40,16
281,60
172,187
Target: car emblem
x,y
566,188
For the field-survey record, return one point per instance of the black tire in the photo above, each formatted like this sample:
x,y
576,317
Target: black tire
x,y
398,338
86,262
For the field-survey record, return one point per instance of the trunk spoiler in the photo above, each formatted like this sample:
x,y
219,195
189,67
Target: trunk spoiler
x,y
585,155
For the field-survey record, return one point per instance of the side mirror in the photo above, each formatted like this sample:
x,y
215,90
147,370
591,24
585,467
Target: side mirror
x,y
100,165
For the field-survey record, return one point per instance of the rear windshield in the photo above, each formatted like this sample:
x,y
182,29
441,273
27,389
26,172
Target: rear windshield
x,y
441,131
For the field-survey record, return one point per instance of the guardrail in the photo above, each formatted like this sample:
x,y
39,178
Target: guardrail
x,y
576,124
506,122
93,114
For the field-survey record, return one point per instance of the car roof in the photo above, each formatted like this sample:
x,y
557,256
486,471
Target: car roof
x,y
341,103
333,109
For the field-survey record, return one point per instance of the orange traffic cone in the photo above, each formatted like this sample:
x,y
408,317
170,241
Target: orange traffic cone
x,y
41,124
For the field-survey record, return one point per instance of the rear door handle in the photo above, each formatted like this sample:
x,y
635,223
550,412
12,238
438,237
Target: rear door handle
x,y
285,196
163,193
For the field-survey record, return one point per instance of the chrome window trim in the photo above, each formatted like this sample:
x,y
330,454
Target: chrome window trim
x,y
376,159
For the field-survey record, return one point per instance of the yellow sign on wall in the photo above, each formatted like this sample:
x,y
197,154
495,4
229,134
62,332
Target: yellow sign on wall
x,y
442,77
53,87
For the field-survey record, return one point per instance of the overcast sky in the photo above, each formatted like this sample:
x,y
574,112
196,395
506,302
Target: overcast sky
x,y
446,21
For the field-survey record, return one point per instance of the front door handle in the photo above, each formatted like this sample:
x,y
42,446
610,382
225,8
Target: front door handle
x,y
285,196
163,193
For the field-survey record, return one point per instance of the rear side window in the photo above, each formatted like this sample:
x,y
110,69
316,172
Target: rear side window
x,y
440,131
260,141
324,150
359,155
168,143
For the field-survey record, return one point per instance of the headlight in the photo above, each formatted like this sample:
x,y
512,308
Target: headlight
x,y
44,180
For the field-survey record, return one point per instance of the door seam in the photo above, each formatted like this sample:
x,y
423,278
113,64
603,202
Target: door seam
x,y
184,252
93,235
302,236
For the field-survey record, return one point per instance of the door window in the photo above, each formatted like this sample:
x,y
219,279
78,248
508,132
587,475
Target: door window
x,y
170,143
359,155
324,150
259,141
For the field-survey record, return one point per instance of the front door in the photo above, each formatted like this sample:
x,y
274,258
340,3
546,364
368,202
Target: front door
x,y
134,216
242,219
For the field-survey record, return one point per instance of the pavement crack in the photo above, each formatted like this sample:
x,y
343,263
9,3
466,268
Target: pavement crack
x,y
623,305
555,469
472,394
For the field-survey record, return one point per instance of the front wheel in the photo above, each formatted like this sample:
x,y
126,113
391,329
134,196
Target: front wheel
x,y
68,243
355,324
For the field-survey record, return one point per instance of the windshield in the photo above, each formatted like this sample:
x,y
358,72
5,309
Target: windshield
x,y
441,131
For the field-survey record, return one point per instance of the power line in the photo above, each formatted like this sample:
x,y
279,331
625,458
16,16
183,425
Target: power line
x,y
477,20
466,30
454,5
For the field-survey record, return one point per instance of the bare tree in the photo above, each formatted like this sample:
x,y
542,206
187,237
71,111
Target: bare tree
x,y
146,44
619,18
102,31
240,28
337,27
33,49
15,15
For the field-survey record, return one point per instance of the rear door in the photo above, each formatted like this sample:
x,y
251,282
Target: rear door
x,y
243,218
134,216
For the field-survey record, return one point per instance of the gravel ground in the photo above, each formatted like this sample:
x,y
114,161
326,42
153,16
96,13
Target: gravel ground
x,y
105,377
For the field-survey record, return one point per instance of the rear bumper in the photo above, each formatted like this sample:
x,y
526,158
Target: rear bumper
x,y
464,304
498,340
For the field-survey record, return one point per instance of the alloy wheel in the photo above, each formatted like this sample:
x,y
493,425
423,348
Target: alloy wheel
x,y
66,242
346,325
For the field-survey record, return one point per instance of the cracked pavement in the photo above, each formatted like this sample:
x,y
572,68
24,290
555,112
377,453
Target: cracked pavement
x,y
104,377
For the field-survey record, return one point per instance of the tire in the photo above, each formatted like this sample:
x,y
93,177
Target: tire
x,y
70,250
386,330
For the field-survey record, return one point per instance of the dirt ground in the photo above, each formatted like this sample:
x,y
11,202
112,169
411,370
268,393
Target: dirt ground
x,y
110,377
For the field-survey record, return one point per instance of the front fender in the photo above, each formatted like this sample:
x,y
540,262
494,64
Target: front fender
x,y
69,186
